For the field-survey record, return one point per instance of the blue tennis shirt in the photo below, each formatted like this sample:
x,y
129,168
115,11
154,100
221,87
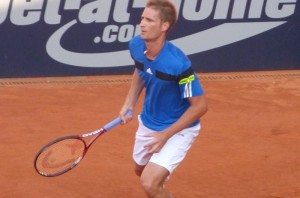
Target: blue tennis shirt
x,y
169,81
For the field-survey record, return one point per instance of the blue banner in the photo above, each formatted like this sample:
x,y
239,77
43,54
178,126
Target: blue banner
x,y
43,38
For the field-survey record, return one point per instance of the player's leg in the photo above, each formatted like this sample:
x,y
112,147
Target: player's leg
x,y
141,158
138,169
152,180
161,165
154,173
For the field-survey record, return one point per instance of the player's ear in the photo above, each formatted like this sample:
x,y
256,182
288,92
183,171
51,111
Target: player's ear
x,y
165,26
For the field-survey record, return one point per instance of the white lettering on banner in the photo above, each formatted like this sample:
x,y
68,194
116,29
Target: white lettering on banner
x,y
239,9
121,16
106,59
4,5
28,13
205,10
51,12
72,4
108,33
113,33
97,11
256,9
277,9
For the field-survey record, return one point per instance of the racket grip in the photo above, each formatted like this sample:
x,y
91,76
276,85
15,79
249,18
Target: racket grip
x,y
116,122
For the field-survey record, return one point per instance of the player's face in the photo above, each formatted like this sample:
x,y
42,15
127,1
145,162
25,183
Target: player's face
x,y
151,26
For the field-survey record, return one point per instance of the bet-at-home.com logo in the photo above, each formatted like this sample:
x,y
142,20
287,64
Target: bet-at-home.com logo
x,y
242,19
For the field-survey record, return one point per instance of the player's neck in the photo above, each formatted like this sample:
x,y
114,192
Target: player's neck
x,y
153,48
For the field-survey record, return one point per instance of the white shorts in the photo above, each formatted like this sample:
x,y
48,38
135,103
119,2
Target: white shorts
x,y
173,152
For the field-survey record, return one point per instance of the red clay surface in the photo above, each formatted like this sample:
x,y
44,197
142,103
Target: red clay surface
x,y
249,146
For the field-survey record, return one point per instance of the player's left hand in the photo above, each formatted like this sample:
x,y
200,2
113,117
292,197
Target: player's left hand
x,y
159,140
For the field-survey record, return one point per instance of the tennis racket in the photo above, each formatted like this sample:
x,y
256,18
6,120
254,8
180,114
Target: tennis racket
x,y
63,154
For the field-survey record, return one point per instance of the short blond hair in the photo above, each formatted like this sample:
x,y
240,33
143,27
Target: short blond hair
x,y
166,9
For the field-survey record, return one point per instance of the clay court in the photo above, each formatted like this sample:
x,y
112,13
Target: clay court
x,y
249,145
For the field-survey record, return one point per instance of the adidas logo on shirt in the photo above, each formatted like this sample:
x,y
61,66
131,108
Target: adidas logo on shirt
x,y
149,71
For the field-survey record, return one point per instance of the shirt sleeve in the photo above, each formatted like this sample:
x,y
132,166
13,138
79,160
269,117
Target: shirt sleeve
x,y
189,84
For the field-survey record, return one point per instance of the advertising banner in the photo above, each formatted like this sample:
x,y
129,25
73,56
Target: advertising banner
x,y
40,38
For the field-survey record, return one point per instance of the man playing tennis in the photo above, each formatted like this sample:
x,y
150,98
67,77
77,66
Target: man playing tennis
x,y
174,99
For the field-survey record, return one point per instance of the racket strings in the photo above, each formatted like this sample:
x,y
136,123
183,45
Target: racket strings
x,y
60,156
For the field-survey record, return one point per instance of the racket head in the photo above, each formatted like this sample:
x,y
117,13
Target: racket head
x,y
60,155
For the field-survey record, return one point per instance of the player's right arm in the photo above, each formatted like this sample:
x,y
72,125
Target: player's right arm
x,y
132,96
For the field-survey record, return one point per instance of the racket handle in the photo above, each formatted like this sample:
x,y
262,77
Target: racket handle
x,y
116,121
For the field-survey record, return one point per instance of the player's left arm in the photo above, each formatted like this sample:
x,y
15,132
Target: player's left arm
x,y
191,89
197,109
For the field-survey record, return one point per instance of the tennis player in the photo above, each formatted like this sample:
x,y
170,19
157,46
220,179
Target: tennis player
x,y
174,99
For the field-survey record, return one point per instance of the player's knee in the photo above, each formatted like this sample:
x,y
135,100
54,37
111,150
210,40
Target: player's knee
x,y
150,187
